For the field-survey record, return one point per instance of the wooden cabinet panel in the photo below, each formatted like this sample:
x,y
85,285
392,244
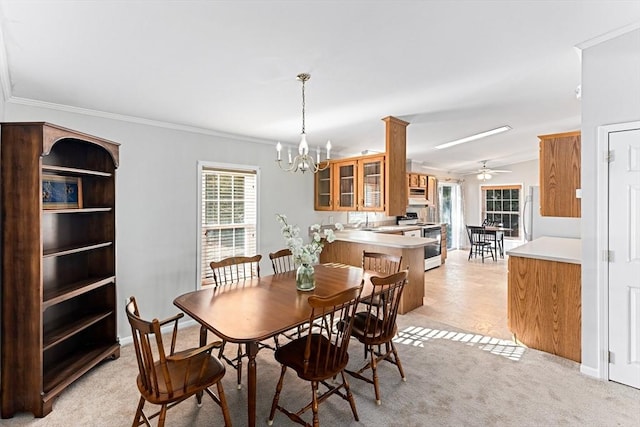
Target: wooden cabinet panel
x,y
58,265
324,196
371,184
544,305
368,183
560,174
351,253
345,185
432,189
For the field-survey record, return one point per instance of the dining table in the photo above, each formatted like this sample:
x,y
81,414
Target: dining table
x,y
497,233
260,308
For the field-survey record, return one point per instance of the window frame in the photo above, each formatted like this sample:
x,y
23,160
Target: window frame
x,y
230,167
483,210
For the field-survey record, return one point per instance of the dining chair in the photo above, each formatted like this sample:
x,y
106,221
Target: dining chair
x,y
226,272
377,326
168,379
321,355
282,261
479,243
496,237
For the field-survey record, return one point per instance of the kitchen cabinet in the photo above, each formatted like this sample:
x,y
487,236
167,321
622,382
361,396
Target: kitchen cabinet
x,y
443,243
358,184
560,174
58,261
375,183
417,187
544,303
345,184
421,188
371,188
432,189
324,198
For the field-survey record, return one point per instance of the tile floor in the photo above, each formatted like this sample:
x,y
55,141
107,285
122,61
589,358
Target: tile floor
x,y
470,295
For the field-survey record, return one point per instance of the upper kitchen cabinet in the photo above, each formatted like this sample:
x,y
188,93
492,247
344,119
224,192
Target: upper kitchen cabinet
x,y
324,190
345,184
358,185
375,183
560,174
371,183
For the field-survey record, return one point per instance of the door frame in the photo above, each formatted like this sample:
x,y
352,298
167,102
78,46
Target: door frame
x,y
602,239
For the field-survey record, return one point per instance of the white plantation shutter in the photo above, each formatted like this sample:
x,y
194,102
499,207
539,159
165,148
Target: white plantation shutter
x,y
228,216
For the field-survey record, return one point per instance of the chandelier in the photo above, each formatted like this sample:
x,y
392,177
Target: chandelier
x,y
303,161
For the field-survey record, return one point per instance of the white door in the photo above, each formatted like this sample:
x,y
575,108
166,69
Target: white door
x,y
624,266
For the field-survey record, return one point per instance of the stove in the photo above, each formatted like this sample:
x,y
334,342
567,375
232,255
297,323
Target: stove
x,y
432,251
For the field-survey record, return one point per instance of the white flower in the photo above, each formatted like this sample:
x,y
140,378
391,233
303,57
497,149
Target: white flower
x,y
309,253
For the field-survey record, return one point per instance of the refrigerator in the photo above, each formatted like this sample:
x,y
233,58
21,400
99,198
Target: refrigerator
x,y
536,225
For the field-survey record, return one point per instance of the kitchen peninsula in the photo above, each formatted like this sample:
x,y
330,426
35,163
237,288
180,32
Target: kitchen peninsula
x,y
544,305
348,247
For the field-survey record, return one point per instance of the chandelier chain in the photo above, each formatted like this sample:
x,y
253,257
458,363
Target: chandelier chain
x,y
303,77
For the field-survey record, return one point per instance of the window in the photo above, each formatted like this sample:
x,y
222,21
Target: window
x,y
501,205
228,216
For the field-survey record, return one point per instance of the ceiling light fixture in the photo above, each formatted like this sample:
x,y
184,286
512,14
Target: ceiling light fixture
x,y
474,137
303,161
483,176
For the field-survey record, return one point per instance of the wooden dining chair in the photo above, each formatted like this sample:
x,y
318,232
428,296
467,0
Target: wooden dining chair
x,y
226,272
380,263
321,355
480,243
376,327
282,261
168,379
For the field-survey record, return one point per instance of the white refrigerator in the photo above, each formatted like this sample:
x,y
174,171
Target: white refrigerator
x,y
536,225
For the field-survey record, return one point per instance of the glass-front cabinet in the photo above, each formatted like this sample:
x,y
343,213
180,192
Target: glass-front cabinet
x,y
324,190
354,184
346,185
371,178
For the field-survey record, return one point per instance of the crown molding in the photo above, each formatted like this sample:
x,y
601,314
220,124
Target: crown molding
x,y
133,119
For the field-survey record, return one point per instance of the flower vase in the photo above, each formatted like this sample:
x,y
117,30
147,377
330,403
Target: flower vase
x,y
305,278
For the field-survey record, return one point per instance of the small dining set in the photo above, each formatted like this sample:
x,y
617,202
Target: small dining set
x,y
486,240
308,333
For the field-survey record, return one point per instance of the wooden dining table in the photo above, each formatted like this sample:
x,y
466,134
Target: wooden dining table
x,y
260,308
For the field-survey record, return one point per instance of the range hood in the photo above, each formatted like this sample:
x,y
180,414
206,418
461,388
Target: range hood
x,y
415,201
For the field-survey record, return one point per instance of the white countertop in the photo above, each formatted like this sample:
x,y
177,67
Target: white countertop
x,y
559,249
382,239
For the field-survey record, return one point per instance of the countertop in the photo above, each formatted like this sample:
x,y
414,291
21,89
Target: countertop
x,y
382,239
559,249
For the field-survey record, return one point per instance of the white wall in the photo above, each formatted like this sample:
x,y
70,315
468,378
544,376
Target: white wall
x,y
610,94
524,173
156,202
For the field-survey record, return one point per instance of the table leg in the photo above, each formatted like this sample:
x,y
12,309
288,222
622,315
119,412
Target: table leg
x,y
252,351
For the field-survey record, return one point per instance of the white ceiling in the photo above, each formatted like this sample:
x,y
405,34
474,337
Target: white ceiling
x,y
450,68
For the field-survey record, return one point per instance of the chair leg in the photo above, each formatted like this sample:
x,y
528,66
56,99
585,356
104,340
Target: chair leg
x,y
223,405
163,416
314,403
239,367
276,396
374,366
352,402
398,364
139,413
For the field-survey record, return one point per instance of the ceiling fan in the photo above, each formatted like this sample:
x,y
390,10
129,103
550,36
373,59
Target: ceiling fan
x,y
485,173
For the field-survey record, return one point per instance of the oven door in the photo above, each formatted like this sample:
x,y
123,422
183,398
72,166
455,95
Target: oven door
x,y
432,251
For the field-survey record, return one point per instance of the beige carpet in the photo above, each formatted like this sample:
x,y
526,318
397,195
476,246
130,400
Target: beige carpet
x,y
453,378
